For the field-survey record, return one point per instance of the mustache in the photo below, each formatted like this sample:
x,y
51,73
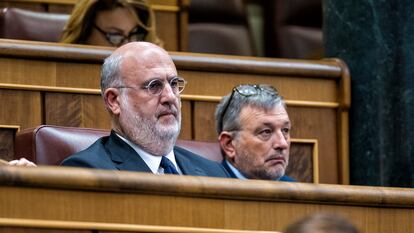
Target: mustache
x,y
166,110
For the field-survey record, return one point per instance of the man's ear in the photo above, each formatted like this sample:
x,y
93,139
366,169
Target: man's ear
x,y
112,100
226,141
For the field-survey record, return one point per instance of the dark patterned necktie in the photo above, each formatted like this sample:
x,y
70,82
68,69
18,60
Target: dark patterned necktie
x,y
168,166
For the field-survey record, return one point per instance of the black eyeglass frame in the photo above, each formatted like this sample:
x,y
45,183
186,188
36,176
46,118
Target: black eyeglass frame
x,y
257,90
135,31
162,83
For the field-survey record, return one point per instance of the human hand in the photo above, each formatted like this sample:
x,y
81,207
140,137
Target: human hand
x,y
22,162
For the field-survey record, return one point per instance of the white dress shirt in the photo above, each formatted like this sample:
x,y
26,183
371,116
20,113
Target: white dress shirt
x,y
152,161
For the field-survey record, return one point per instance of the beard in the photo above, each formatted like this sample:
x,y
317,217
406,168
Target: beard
x,y
152,135
246,166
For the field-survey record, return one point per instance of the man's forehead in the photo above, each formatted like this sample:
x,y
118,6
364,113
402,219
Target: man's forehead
x,y
250,114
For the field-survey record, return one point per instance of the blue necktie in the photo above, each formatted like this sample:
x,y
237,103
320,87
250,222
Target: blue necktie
x,y
168,166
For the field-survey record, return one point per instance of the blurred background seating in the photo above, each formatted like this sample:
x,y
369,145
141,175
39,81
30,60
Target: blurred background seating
x,y
30,25
293,29
278,28
217,26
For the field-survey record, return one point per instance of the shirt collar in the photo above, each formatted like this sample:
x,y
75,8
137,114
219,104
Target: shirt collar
x,y
152,161
235,171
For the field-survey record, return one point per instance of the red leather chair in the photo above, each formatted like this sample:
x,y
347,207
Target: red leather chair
x,y
49,144
30,25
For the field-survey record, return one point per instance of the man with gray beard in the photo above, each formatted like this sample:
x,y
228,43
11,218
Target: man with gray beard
x,y
141,91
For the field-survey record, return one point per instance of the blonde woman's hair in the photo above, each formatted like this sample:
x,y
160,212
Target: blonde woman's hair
x,y
79,26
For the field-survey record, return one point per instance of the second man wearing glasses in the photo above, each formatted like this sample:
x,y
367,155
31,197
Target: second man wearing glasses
x,y
141,91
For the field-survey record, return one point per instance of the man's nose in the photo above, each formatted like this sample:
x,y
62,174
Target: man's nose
x,y
281,141
167,94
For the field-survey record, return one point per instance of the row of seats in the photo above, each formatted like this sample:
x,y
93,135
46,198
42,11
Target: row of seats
x,y
215,26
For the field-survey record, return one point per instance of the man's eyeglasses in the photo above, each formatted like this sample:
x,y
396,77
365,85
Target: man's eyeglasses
x,y
246,90
156,86
117,38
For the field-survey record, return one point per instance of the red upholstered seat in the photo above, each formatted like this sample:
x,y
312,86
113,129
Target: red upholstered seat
x,y
49,144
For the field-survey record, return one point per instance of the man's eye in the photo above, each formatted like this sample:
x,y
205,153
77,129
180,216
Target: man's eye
x,y
265,134
285,130
155,84
174,83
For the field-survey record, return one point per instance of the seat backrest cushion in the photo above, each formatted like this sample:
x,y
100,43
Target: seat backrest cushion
x,y
219,27
30,25
49,145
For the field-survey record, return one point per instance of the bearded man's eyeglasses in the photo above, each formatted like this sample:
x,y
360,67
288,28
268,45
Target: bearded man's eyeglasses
x,y
156,86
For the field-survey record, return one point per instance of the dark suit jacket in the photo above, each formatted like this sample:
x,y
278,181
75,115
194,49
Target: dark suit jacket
x,y
113,153
232,175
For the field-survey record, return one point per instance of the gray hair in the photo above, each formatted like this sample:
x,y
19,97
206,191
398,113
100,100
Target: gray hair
x,y
110,72
267,97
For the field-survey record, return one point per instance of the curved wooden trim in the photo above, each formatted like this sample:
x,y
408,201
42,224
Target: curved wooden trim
x,y
344,85
257,65
184,61
15,127
65,2
53,51
296,103
49,88
73,2
206,187
343,122
71,225
165,8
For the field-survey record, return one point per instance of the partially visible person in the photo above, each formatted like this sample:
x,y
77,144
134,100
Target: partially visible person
x,y
322,223
141,91
110,23
254,133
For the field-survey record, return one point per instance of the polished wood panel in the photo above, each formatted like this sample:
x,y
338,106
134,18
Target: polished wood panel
x,y
171,17
28,225
65,79
113,197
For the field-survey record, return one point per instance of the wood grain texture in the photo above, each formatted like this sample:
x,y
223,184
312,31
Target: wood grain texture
x,y
14,225
74,194
76,110
301,166
67,79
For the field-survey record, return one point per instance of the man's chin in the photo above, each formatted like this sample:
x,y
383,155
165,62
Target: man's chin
x,y
171,130
167,119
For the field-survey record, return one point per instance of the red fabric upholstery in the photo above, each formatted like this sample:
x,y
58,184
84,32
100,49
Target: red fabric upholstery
x,y
49,145
30,25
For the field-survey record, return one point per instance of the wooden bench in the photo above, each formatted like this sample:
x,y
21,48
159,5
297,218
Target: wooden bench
x,y
48,83
58,199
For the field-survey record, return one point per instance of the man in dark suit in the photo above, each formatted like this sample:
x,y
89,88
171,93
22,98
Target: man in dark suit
x,y
141,91
254,133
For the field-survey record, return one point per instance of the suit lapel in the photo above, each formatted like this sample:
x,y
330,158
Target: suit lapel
x,y
123,156
186,166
